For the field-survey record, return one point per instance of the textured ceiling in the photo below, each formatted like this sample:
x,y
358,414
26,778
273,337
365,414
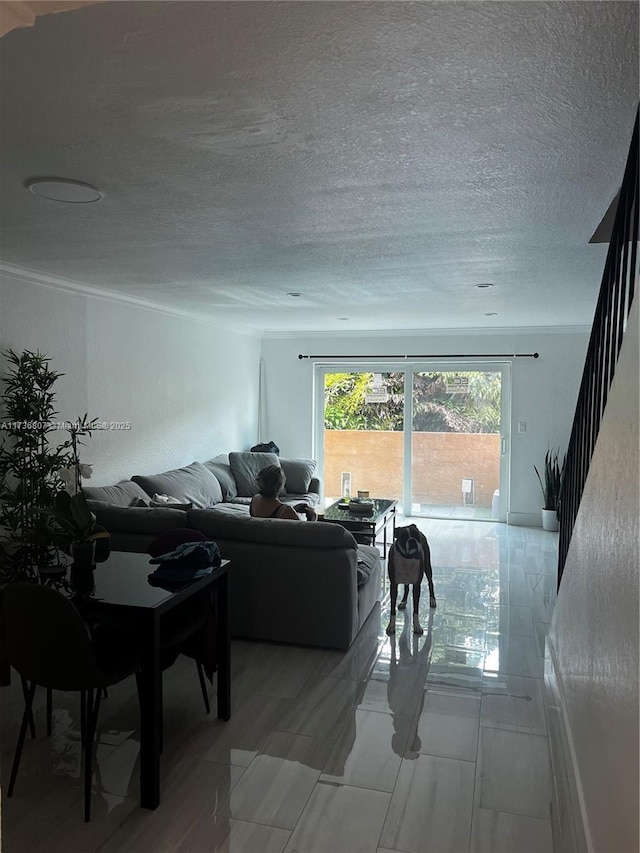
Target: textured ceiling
x,y
378,158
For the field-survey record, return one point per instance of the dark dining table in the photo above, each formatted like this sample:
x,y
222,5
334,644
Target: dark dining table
x,y
120,587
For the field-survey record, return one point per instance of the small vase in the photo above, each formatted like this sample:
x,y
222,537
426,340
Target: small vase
x,y
83,554
549,519
102,539
82,581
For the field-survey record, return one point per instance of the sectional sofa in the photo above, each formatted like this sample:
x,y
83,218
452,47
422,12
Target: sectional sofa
x,y
307,582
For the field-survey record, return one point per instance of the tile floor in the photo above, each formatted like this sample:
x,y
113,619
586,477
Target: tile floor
x,y
435,743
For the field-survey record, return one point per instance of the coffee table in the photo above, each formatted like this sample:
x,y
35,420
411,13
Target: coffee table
x,y
368,524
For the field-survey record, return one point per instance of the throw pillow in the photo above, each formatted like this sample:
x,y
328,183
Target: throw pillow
x,y
192,484
298,473
120,494
245,468
219,467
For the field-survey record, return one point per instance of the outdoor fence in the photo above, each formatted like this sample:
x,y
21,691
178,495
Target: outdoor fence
x,y
441,461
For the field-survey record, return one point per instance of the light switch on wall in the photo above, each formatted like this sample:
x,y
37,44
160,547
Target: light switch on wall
x,y
522,426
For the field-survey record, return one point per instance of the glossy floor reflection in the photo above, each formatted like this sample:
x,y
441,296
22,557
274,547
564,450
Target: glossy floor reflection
x,y
412,744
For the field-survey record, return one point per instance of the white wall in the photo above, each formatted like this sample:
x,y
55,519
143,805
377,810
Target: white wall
x,y
593,638
544,392
188,389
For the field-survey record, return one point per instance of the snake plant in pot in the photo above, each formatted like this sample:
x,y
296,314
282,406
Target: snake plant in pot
x,y
550,484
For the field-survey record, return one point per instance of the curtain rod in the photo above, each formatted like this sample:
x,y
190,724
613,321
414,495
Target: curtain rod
x,y
443,357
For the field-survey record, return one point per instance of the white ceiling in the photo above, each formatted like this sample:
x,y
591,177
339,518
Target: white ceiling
x,y
379,158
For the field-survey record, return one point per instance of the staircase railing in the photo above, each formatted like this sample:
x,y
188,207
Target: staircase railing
x,y
609,324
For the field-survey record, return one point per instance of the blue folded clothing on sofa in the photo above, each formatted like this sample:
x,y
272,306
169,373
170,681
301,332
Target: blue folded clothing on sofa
x,y
188,561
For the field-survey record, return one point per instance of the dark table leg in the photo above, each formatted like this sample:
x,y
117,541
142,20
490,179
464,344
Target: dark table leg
x,y
390,517
150,714
224,647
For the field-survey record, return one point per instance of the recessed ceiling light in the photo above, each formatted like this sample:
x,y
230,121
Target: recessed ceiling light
x,y
343,318
484,284
491,314
294,293
62,189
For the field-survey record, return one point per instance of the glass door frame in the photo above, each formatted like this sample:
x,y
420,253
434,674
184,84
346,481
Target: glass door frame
x,y
441,366
409,368
320,369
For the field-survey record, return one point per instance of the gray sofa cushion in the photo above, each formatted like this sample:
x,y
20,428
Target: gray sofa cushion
x,y
139,520
169,505
310,498
240,501
230,509
120,494
246,466
368,594
194,484
368,562
219,467
219,522
161,504
298,473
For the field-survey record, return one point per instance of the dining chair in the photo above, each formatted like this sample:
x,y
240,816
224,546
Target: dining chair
x,y
184,632
49,644
178,638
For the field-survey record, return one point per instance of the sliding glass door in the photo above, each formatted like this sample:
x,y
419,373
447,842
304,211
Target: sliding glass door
x,y
362,429
431,436
456,444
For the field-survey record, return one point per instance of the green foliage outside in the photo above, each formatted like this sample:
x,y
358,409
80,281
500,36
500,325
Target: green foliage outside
x,y
434,409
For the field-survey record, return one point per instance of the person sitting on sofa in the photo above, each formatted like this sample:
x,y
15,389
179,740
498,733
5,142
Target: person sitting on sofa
x,y
266,503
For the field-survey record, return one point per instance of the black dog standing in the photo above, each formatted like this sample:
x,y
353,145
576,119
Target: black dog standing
x,y
409,560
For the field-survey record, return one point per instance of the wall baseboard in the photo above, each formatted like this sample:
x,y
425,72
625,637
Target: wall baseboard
x,y
525,519
568,825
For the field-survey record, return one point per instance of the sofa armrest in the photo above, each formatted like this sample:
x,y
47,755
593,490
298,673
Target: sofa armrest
x,y
137,519
314,485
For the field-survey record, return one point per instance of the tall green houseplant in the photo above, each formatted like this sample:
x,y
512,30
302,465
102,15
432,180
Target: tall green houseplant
x,y
28,466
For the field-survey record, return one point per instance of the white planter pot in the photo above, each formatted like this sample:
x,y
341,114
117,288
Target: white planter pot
x,y
549,519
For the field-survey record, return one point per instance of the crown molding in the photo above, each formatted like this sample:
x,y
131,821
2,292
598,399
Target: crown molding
x,y
41,279
430,333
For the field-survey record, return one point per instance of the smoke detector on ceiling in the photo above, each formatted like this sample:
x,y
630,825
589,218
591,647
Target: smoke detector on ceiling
x,y
63,189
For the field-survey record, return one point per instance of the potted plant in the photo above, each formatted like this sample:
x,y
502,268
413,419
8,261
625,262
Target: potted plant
x,y
29,462
42,506
550,485
70,512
